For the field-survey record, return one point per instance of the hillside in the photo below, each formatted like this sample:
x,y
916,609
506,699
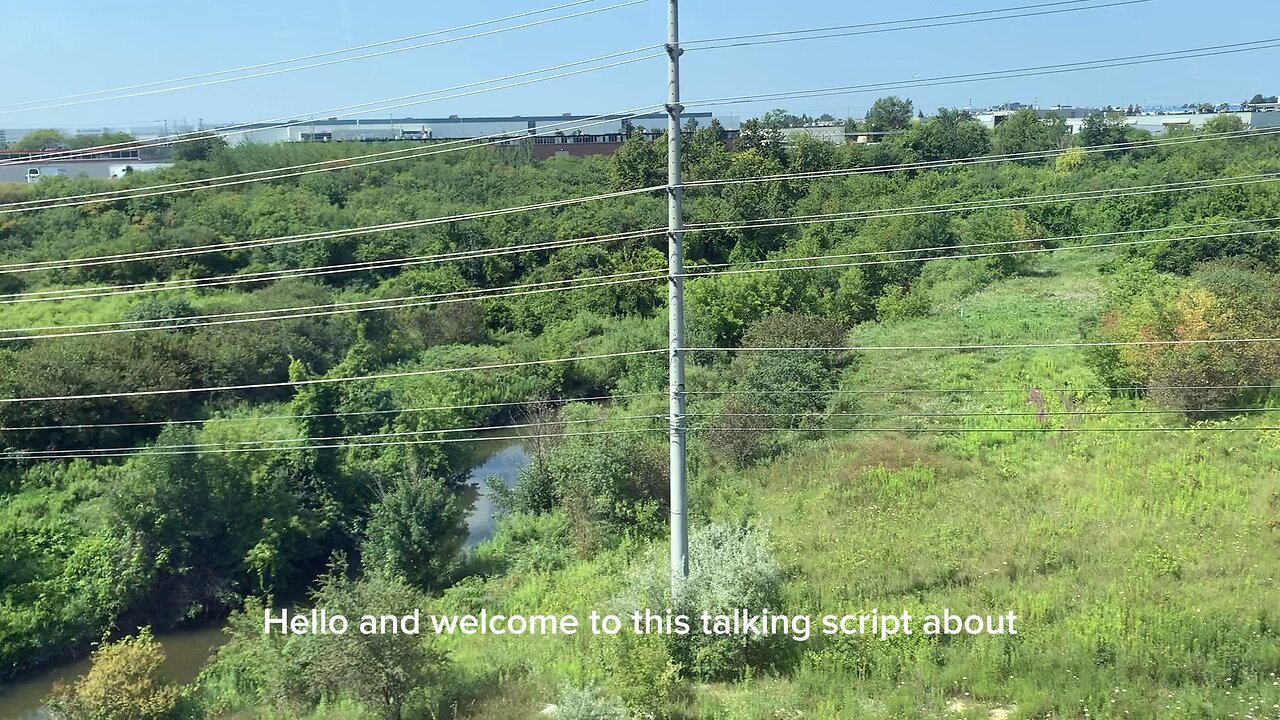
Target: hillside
x,y
928,373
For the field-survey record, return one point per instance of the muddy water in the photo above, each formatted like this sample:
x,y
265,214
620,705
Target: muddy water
x,y
185,652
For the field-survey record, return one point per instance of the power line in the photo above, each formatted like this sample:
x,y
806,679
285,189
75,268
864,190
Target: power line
x,y
989,159
36,266
73,455
838,31
294,313
326,63
288,273
413,100
350,413
326,381
1064,430
724,225
1034,71
986,413
967,390
302,58
957,256
1000,203
473,294
294,442
993,346
881,86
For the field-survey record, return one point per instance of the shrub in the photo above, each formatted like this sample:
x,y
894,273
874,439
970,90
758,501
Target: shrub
x,y
415,532
586,704
729,568
741,433
123,683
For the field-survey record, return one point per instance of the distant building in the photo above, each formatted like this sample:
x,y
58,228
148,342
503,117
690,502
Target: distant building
x,y
829,133
35,165
594,129
1156,123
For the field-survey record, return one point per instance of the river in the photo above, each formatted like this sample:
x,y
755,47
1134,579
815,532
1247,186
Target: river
x,y
187,650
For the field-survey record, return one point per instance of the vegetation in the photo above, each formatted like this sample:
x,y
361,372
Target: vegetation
x,y
1120,498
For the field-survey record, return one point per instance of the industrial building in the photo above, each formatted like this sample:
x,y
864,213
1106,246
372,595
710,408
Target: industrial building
x,y
450,128
1156,123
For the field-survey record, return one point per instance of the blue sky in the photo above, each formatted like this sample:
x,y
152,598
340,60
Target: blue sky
x,y
58,48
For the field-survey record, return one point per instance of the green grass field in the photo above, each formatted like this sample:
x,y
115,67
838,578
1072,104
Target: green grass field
x,y
1143,566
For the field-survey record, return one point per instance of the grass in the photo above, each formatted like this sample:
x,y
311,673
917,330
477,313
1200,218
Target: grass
x,y
1144,567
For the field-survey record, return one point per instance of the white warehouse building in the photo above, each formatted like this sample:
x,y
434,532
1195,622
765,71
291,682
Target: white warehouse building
x,y
448,128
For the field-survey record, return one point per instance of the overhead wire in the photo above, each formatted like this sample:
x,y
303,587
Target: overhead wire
x,y
326,63
342,308
298,443
345,413
1033,71
867,87
875,28
331,380
185,137
995,203
588,282
39,265
402,101
75,455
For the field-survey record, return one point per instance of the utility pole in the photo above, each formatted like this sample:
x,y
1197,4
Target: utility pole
x,y
675,301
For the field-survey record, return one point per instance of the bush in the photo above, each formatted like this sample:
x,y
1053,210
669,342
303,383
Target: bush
x,y
741,433
586,704
1220,301
415,532
729,568
123,683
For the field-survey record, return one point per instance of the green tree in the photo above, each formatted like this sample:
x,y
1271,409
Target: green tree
x,y
952,134
43,139
415,532
1026,132
639,162
201,146
1228,123
385,671
889,114
79,142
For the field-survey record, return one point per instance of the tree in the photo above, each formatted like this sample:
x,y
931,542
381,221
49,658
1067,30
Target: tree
x,y
1226,123
80,142
384,670
639,162
123,683
44,139
951,134
201,146
889,114
769,142
1026,132
1099,129
415,532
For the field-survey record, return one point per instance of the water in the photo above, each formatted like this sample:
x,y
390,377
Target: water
x,y
185,653
503,458
187,650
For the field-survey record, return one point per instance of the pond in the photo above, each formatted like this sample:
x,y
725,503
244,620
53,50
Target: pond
x,y
187,650
504,458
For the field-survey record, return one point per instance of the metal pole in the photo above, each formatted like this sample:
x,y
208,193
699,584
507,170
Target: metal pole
x,y
675,299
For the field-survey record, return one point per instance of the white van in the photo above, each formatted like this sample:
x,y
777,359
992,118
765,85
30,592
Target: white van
x,y
36,174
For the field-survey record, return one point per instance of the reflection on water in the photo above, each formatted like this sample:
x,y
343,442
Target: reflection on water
x,y
503,458
185,652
